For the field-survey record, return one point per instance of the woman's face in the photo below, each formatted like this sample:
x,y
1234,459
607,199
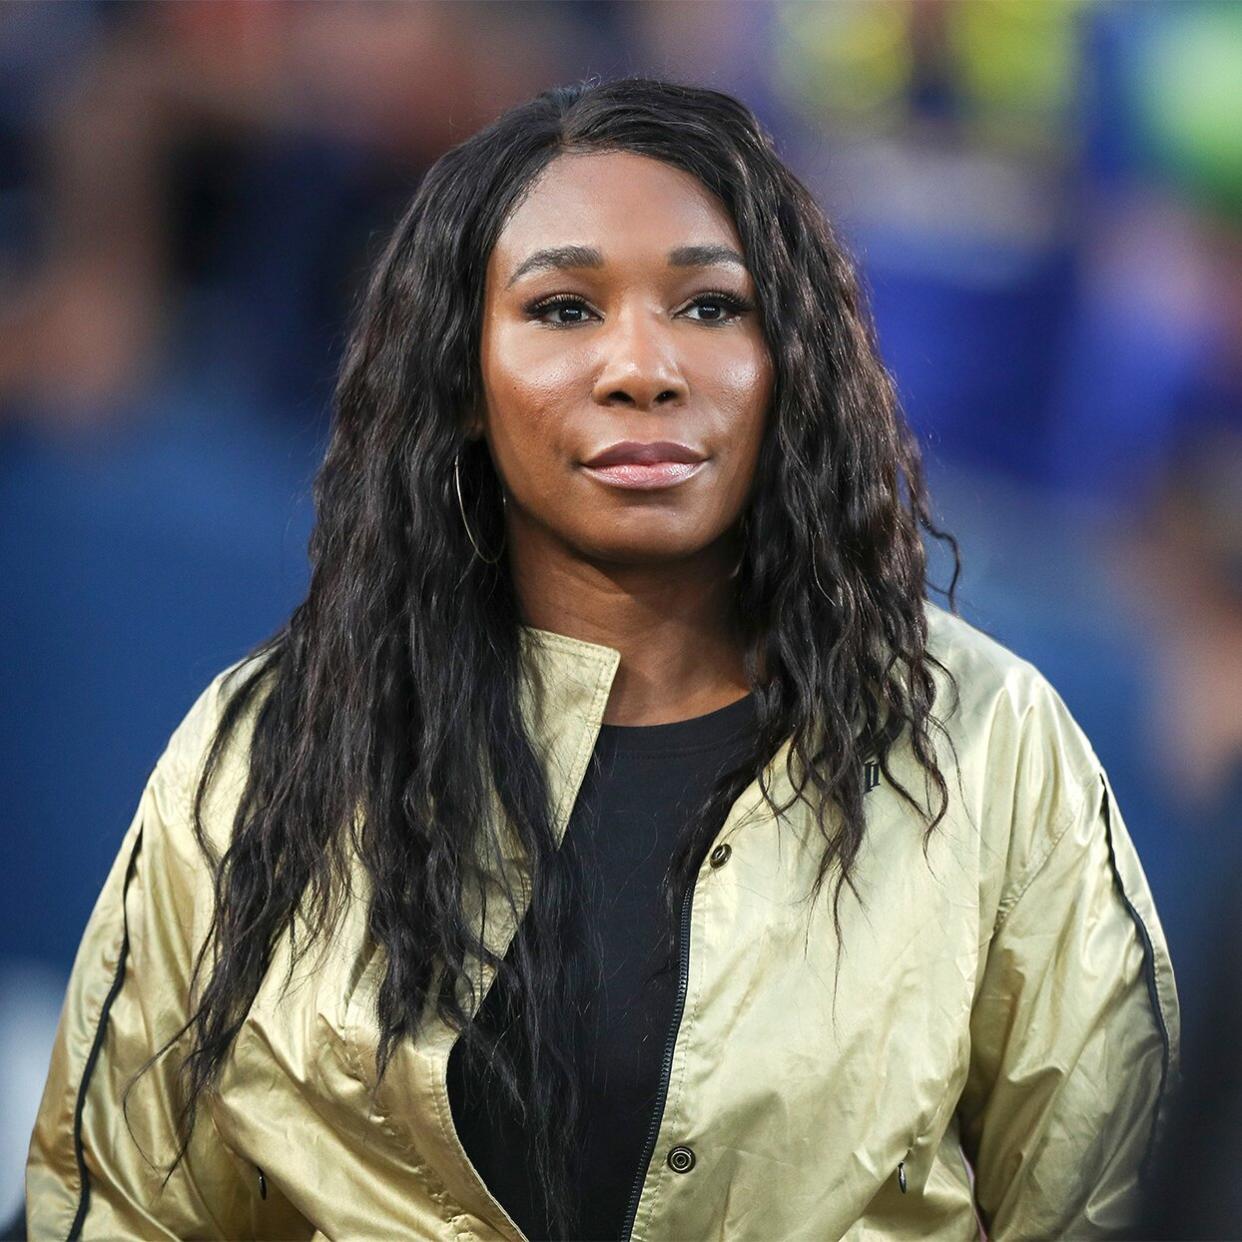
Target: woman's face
x,y
618,308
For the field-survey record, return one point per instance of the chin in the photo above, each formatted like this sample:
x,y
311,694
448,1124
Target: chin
x,y
657,549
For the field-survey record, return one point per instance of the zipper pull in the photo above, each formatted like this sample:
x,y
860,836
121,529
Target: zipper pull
x,y
901,1175
262,1183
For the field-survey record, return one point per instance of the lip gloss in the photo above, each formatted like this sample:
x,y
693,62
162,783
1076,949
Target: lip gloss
x,y
645,476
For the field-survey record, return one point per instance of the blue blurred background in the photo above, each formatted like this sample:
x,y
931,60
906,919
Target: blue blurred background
x,y
1046,203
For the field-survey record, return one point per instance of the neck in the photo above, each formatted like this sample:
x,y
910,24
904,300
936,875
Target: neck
x,y
674,624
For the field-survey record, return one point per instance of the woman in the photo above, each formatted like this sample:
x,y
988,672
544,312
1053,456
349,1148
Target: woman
x,y
616,843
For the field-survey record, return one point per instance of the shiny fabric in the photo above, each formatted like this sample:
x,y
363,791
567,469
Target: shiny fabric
x,y
996,1029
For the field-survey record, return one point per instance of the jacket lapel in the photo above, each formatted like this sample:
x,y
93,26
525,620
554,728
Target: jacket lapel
x,y
562,702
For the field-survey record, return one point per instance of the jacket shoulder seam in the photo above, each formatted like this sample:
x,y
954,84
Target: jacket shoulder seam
x,y
1149,979
92,1057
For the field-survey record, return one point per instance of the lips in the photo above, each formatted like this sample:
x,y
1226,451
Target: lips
x,y
635,466
636,453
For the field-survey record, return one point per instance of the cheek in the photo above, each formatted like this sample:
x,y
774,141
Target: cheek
x,y
526,390
745,373
743,386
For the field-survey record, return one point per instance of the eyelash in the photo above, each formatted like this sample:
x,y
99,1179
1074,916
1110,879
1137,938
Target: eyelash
x,y
734,305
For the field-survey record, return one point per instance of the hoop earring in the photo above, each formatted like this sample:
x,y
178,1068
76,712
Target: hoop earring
x,y
743,533
462,508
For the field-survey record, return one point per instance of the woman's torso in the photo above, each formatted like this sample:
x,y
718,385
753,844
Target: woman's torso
x,y
823,1079
630,815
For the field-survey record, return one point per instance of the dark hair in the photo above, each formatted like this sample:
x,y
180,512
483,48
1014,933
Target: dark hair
x,y
393,687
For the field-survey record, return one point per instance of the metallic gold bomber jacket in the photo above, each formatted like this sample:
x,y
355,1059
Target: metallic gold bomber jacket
x,y
1000,1053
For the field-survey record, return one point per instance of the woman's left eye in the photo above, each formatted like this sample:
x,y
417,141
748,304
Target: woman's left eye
x,y
718,307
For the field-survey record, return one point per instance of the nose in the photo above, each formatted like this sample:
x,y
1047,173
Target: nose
x,y
640,365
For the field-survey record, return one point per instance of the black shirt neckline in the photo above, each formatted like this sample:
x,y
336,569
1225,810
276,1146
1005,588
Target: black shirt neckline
x,y
711,729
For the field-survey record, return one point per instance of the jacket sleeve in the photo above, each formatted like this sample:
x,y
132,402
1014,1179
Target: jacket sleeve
x,y
1075,1025
101,1146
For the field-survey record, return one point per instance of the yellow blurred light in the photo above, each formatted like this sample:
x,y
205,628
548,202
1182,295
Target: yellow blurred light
x,y
849,57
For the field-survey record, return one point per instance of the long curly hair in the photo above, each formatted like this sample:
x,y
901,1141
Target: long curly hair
x,y
393,689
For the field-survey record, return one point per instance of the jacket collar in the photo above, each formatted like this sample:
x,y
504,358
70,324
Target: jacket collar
x,y
562,700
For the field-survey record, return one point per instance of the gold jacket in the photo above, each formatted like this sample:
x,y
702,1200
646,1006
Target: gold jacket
x,y
1001,1049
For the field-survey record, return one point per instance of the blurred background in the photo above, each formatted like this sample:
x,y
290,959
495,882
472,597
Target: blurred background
x,y
1045,200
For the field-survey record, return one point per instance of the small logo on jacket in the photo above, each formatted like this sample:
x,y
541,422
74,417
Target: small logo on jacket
x,y
871,776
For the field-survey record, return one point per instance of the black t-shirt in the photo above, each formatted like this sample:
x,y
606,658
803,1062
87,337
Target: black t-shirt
x,y
642,785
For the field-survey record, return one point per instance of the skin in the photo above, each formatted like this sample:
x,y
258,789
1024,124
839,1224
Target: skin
x,y
641,354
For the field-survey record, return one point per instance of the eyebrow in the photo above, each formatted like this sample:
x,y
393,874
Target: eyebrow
x,y
559,257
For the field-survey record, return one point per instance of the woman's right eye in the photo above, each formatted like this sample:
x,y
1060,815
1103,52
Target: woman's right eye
x,y
568,311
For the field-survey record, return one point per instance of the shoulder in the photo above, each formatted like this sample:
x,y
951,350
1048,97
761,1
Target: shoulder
x,y
180,768
983,668
1020,762
1000,704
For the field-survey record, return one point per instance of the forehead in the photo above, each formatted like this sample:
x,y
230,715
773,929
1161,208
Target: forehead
x,y
617,201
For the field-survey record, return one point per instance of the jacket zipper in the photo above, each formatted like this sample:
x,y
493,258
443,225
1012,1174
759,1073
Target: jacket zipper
x,y
666,1068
